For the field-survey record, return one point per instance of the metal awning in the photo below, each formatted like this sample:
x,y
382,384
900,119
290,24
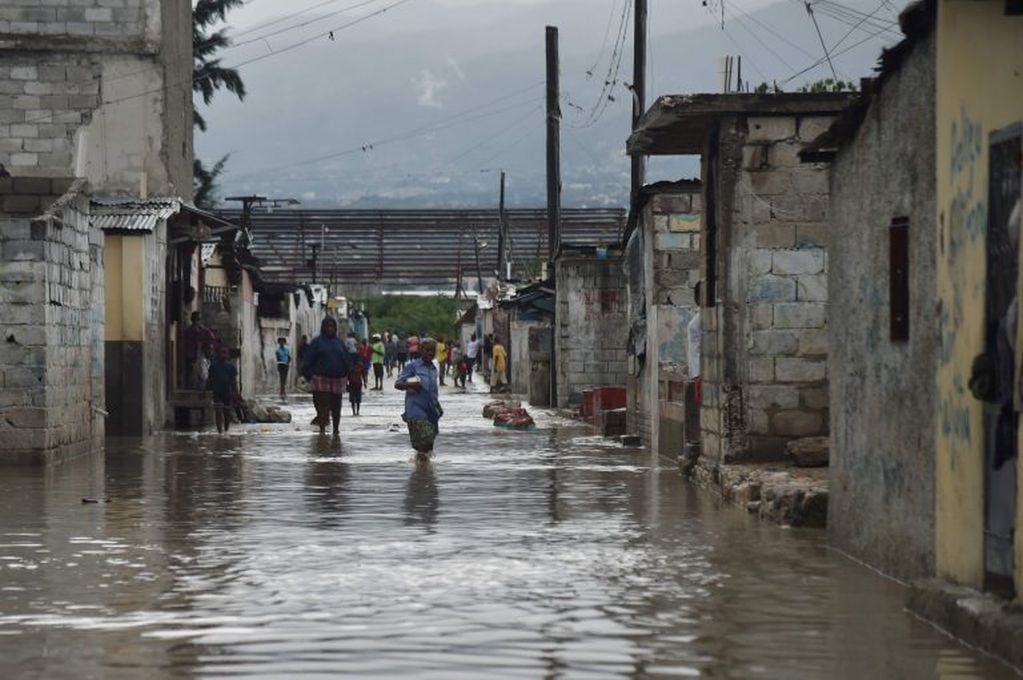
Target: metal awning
x,y
116,215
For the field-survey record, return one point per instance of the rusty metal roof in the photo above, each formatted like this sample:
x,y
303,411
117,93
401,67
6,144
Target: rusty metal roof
x,y
417,246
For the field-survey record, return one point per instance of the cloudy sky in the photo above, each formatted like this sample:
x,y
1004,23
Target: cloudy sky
x,y
424,98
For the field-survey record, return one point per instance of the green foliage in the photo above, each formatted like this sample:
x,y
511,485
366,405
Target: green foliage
x,y
413,314
205,189
829,85
208,75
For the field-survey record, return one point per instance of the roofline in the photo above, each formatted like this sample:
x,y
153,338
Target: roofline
x,y
701,111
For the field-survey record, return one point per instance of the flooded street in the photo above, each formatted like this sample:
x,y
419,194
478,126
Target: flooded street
x,y
273,553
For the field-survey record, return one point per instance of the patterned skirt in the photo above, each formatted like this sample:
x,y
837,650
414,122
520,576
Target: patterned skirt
x,y
321,383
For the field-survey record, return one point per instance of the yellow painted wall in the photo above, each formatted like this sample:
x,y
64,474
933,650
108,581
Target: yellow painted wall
x,y
979,90
124,272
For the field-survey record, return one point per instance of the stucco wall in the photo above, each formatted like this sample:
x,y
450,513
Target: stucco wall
x,y
51,356
881,505
592,327
764,360
979,89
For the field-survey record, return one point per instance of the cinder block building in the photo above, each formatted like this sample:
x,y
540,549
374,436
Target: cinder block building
x,y
763,263
663,262
99,92
591,326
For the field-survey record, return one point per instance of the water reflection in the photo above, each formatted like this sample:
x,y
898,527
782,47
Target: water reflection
x,y
280,554
326,481
422,501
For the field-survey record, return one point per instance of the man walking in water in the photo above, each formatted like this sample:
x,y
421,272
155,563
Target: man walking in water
x,y
422,405
327,364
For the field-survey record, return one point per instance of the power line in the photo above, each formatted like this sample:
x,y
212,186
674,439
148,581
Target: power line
x,y
827,55
191,81
457,118
858,24
603,43
752,17
836,54
611,79
264,36
282,18
759,40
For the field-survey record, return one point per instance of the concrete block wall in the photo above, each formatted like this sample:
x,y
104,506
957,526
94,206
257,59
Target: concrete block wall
x,y
98,89
78,18
51,353
592,325
765,343
670,221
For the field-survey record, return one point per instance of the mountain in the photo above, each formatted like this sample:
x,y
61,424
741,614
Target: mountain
x,y
421,106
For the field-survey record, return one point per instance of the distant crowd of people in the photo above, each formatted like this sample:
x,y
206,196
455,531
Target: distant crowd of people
x,y
333,366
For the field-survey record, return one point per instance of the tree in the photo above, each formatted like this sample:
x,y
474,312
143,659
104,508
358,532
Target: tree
x,y
829,85
208,76
204,182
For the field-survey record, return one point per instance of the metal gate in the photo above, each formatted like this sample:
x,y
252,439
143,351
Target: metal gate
x,y
1000,415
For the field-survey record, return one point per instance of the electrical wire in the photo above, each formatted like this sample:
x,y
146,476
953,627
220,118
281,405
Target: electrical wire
x,y
603,43
456,119
752,17
827,55
759,40
192,80
858,24
264,36
282,18
613,69
836,54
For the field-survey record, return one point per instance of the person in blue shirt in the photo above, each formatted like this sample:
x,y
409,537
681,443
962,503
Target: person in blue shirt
x,y
283,362
327,365
422,404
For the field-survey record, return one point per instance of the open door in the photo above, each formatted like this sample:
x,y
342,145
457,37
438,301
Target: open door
x,y
1001,313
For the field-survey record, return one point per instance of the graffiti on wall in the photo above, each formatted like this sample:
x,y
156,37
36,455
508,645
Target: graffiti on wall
x,y
962,233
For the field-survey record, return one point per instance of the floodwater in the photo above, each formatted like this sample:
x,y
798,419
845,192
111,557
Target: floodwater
x,y
273,553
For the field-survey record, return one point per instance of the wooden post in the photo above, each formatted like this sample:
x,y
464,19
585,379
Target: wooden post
x,y
639,88
553,145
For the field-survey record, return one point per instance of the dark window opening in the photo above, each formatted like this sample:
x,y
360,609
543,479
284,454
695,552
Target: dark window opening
x,y
273,306
1013,8
898,278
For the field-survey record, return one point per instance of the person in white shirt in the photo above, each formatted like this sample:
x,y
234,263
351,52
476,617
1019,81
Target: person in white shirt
x,y
472,351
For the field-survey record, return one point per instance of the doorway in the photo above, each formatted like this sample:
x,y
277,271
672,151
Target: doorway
x,y
1001,414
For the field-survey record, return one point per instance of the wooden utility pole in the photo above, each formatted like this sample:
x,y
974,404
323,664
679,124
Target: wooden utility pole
x,y
553,145
639,88
502,238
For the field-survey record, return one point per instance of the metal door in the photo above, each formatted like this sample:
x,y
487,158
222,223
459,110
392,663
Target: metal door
x,y
1000,415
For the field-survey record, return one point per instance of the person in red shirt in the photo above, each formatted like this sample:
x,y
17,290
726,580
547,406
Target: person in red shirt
x,y
413,347
366,355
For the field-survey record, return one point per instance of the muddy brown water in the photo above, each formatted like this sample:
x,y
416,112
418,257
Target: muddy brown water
x,y
273,553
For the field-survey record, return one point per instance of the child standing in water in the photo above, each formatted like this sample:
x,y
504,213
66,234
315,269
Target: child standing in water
x,y
355,388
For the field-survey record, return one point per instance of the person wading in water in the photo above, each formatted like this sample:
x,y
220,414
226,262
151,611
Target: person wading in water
x,y
422,406
326,367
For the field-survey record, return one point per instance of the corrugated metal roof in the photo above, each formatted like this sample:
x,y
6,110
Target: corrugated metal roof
x,y
388,246
125,214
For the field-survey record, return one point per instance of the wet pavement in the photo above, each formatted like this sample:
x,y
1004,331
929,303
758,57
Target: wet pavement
x,y
273,553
